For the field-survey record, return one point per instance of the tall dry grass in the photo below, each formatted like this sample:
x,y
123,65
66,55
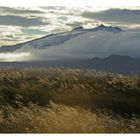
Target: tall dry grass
x,y
68,100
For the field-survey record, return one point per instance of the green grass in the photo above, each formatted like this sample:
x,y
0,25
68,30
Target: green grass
x,y
68,100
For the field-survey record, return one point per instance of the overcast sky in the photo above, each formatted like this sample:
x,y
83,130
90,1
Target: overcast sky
x,y
19,24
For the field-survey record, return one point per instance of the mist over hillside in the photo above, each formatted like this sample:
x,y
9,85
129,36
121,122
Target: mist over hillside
x,y
79,43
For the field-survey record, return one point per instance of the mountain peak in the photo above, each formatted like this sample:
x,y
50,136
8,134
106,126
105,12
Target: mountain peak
x,y
78,28
109,28
102,25
116,56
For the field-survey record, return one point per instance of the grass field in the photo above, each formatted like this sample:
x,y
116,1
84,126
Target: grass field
x,y
68,100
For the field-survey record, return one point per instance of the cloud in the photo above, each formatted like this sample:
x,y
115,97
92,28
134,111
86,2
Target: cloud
x,y
19,10
34,22
74,24
38,21
20,21
31,31
115,15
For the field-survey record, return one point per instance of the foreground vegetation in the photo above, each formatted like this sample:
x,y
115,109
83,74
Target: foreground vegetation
x,y
68,100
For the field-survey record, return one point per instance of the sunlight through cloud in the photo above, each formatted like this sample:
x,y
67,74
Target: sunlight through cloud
x,y
14,56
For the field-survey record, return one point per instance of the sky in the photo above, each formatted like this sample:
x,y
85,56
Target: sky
x,y
20,24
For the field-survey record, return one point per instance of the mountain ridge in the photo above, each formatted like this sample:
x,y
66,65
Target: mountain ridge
x,y
128,65
60,37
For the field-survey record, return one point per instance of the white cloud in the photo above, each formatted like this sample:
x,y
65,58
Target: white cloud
x,y
116,15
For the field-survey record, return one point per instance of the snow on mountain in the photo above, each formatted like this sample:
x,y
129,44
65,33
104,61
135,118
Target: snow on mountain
x,y
80,43
44,42
57,39
107,28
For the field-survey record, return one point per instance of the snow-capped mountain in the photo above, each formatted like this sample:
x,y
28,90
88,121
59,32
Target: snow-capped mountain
x,y
79,43
57,39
